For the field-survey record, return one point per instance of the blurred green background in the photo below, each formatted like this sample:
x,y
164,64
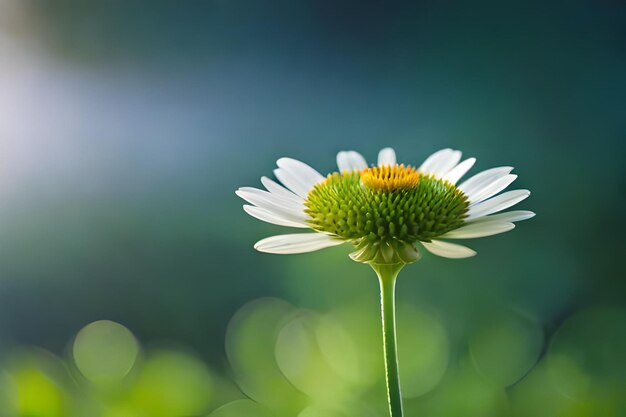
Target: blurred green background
x,y
125,128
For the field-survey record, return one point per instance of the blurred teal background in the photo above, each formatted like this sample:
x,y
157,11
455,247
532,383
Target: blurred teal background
x,y
125,128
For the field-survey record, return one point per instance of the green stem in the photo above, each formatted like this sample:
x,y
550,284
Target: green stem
x,y
387,275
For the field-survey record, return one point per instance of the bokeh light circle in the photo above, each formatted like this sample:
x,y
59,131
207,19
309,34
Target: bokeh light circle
x,y
589,350
33,385
105,351
506,347
300,359
463,393
337,348
242,408
423,350
173,383
353,410
250,343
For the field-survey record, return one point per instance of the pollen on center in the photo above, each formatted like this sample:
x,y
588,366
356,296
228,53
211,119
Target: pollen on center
x,y
390,177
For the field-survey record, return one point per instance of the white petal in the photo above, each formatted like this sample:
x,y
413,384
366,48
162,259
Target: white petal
x,y
275,188
448,250
386,156
291,183
296,243
497,203
301,170
441,162
479,180
509,216
445,165
253,195
273,203
350,161
271,217
480,229
434,159
458,171
297,176
491,189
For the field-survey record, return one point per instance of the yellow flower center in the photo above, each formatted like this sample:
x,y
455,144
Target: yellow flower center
x,y
390,177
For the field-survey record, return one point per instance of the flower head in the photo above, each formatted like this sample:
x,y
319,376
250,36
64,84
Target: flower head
x,y
387,209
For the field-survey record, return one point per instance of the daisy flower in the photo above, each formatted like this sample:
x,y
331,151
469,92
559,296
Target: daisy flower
x,y
387,211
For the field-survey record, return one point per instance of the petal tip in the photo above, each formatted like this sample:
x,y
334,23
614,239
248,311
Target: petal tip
x,y
387,156
260,245
282,161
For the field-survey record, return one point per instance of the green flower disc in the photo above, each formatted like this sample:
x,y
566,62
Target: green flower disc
x,y
391,207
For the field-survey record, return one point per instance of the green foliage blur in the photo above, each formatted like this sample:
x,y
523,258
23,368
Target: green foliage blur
x,y
128,282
